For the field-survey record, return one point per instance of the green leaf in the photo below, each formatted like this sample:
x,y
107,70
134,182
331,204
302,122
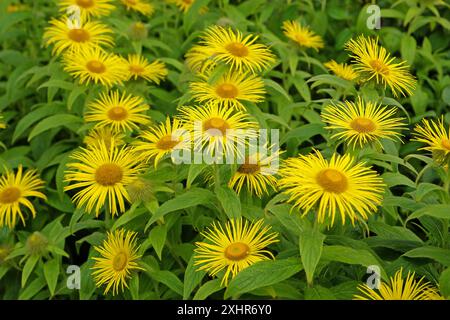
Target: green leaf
x,y
444,283
351,256
434,210
35,286
131,214
319,293
207,289
190,198
51,122
408,48
158,238
438,254
134,287
169,279
51,273
28,268
304,132
310,243
230,202
277,88
262,274
192,278
194,171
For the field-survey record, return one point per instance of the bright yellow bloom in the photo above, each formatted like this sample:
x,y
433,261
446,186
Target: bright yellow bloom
x,y
94,65
118,259
342,70
234,247
219,44
102,175
88,8
436,136
71,37
257,173
399,289
184,5
339,186
229,89
302,35
104,135
2,124
15,189
160,140
139,67
362,122
374,62
141,6
121,112
218,130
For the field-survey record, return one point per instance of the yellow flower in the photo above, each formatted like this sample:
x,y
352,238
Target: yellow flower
x,y
374,62
102,174
362,122
88,8
219,130
436,136
338,186
139,67
120,112
302,35
399,289
342,70
229,89
67,37
160,140
234,247
15,189
118,259
104,135
184,5
2,124
94,65
219,44
257,173
141,6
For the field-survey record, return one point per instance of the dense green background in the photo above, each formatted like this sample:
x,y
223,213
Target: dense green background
x,y
43,108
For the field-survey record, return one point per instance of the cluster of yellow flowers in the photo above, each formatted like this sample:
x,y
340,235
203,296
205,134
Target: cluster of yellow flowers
x,y
228,68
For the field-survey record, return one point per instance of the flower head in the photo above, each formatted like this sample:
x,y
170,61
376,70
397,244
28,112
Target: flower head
x,y
233,247
141,6
119,111
94,65
88,8
302,35
399,289
339,186
139,67
118,259
101,175
373,61
15,191
436,137
362,122
341,70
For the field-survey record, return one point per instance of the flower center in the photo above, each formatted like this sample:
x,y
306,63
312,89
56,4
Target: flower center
x,y
217,124
120,261
300,39
237,251
95,66
167,143
78,35
85,3
249,168
136,69
379,67
227,91
332,180
446,143
108,174
10,195
363,125
237,49
131,2
117,113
